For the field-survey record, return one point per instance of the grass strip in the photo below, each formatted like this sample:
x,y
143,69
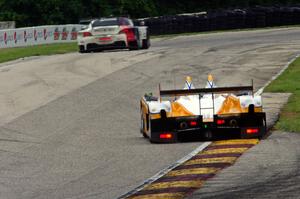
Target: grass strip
x,y
289,82
9,54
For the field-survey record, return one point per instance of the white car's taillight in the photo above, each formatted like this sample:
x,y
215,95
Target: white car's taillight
x,y
86,34
129,32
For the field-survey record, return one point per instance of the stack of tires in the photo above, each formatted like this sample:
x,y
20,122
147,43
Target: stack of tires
x,y
255,17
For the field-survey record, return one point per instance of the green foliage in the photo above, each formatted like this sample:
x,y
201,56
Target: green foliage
x,y
44,12
289,82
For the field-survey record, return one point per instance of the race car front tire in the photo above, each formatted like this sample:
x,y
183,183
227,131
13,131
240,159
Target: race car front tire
x,y
81,49
143,126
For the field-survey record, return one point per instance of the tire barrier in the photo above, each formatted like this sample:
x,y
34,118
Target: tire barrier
x,y
256,17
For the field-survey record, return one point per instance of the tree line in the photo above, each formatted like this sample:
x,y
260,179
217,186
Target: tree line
x,y
47,12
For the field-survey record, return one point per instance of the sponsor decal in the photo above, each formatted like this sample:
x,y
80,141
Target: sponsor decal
x,y
74,33
35,35
25,36
8,37
5,38
49,33
28,35
56,34
64,34
15,37
45,34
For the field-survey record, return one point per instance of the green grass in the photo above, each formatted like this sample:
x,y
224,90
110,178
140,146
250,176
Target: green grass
x,y
289,82
9,54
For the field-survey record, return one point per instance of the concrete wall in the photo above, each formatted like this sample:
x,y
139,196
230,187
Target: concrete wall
x,y
38,35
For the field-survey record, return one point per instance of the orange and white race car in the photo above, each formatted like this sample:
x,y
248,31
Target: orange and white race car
x,y
205,111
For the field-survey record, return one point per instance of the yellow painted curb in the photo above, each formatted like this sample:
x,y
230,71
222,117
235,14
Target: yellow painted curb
x,y
238,141
192,171
211,160
165,185
160,196
227,150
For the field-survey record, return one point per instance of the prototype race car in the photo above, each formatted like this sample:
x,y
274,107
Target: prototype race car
x,y
113,33
204,111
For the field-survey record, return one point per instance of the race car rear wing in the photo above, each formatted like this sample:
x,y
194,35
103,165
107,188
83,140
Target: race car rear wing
x,y
200,91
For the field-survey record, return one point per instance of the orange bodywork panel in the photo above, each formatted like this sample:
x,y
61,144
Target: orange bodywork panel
x,y
232,105
179,110
144,106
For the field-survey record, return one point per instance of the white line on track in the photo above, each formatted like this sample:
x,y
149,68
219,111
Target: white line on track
x,y
166,170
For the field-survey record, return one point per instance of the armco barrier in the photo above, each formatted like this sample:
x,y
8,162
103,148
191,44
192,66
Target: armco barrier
x,y
38,35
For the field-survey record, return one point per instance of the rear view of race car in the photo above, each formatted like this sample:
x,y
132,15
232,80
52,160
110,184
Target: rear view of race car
x,y
206,111
113,33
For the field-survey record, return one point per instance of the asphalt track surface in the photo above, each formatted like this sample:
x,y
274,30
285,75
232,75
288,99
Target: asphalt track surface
x,y
70,123
268,170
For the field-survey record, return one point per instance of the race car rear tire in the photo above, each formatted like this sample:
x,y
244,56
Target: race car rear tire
x,y
146,43
133,45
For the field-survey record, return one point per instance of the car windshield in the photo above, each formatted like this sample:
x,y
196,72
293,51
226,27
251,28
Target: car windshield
x,y
105,22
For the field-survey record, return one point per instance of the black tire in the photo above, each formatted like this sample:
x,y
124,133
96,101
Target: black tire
x,y
142,127
133,45
146,43
208,135
150,130
82,50
132,48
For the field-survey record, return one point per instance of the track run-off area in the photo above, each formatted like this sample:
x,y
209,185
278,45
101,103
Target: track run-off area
x,y
69,124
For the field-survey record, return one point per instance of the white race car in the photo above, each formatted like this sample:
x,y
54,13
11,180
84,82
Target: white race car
x,y
113,33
